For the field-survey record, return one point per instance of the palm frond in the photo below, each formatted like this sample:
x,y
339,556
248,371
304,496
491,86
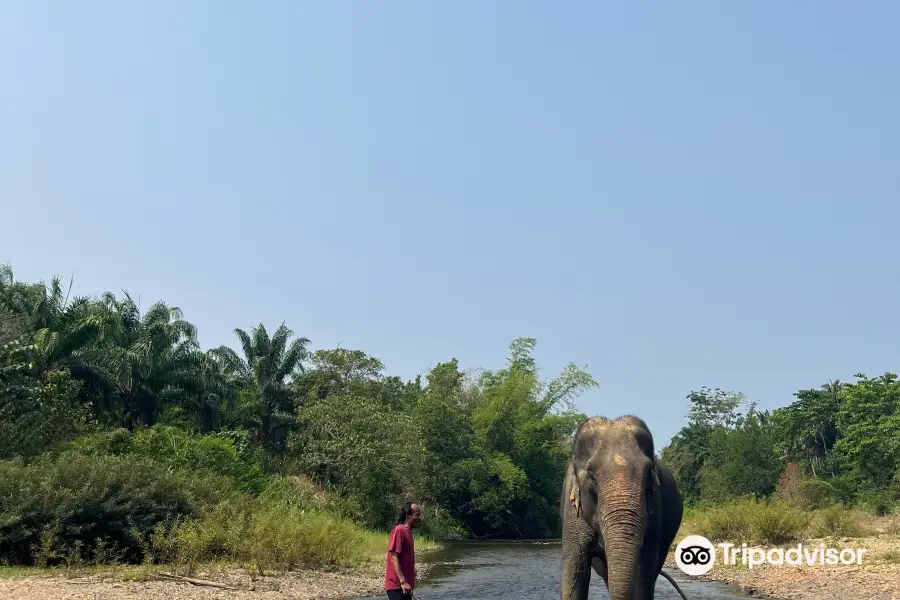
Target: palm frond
x,y
246,345
278,344
293,360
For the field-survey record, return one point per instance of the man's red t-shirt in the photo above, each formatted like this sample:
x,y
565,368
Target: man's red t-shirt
x,y
402,543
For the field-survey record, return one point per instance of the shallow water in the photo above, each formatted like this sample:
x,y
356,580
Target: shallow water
x,y
528,571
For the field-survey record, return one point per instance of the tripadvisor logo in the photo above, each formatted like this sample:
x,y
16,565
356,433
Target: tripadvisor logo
x,y
696,555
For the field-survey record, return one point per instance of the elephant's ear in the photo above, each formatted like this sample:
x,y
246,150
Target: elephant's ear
x,y
587,437
575,494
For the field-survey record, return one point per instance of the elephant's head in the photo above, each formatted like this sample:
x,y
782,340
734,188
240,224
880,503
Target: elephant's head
x,y
616,490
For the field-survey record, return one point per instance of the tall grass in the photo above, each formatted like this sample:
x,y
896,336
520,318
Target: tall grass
x,y
86,507
770,522
268,536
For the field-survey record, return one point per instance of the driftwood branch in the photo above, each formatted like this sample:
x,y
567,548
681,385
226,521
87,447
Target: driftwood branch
x,y
203,582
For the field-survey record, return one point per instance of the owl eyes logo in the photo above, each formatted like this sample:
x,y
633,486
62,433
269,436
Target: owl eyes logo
x,y
695,555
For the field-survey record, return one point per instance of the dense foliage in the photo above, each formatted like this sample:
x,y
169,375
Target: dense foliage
x,y
91,387
119,433
836,444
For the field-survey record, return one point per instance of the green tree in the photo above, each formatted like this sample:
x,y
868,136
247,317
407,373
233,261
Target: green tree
x,y
807,427
263,401
688,452
741,459
61,330
146,364
37,410
354,433
869,422
520,424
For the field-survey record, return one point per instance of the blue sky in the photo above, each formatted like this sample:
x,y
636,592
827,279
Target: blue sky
x,y
680,195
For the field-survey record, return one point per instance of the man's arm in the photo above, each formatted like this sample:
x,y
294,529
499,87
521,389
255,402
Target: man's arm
x,y
395,560
404,585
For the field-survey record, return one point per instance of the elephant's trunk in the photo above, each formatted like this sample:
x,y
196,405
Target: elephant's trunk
x,y
622,545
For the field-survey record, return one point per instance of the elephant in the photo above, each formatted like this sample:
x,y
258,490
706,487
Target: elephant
x,y
620,509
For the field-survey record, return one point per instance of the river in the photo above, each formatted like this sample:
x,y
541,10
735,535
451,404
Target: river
x,y
528,571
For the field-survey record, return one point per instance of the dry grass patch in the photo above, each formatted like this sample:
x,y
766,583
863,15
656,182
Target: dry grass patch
x,y
777,522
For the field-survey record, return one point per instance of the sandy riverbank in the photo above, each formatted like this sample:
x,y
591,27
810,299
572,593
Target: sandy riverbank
x,y
877,578
134,584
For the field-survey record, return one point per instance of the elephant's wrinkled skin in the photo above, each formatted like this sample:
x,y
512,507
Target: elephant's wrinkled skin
x,y
620,509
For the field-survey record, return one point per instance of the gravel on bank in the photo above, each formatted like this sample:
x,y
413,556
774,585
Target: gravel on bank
x,y
877,578
296,585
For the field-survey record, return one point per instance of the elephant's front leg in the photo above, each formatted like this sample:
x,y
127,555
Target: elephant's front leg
x,y
577,549
599,563
647,572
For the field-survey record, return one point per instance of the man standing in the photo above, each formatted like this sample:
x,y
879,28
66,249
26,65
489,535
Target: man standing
x,y
400,562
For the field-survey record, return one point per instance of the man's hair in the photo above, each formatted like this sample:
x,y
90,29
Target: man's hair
x,y
405,511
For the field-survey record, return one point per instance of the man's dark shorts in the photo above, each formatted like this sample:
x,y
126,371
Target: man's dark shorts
x,y
397,595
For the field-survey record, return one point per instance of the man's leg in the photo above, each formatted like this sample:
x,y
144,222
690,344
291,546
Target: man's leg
x,y
396,595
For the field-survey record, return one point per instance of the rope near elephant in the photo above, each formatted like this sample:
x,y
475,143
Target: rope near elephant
x,y
674,584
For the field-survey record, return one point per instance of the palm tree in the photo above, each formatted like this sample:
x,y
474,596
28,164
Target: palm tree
x,y
61,330
261,377
149,362
137,366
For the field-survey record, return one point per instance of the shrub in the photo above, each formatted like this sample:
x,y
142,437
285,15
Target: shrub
x,y
270,535
114,442
836,520
206,453
753,522
725,523
70,506
281,537
777,522
177,449
818,493
295,492
160,496
876,502
38,412
441,525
